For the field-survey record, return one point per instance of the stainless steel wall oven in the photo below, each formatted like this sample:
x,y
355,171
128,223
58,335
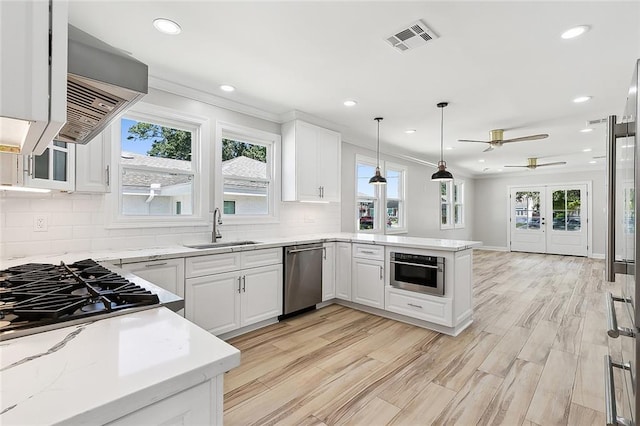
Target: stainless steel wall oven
x,y
416,272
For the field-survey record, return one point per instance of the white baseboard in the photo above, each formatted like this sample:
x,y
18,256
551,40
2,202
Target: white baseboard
x,y
493,248
597,255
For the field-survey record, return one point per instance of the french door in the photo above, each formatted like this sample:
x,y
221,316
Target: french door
x,y
549,219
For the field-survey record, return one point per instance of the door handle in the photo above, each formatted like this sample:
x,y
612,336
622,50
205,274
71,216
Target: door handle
x,y
154,265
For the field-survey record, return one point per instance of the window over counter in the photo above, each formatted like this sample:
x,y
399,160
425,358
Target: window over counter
x,y
246,174
370,197
159,169
452,205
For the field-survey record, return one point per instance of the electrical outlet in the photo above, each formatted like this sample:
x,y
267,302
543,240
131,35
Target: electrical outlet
x,y
40,223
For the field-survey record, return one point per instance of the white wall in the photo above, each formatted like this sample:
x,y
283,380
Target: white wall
x,y
423,202
76,222
491,210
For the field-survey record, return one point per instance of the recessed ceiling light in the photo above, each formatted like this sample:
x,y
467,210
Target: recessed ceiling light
x,y
410,131
227,88
592,162
481,160
449,148
586,150
499,170
587,130
575,32
167,26
581,99
632,90
350,103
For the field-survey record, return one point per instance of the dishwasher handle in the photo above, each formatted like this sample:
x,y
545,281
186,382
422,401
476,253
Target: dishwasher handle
x,y
304,249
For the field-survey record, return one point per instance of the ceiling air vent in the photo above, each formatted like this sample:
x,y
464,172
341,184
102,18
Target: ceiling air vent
x,y
411,36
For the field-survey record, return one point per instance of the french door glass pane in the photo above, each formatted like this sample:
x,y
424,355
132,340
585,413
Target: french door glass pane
x,y
366,214
527,210
566,210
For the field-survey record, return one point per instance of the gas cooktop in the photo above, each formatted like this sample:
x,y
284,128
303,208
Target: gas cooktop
x,y
37,297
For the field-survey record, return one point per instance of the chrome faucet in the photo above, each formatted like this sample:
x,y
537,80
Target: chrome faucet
x,y
215,235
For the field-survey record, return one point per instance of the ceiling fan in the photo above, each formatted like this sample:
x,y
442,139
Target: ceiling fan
x,y
532,164
497,139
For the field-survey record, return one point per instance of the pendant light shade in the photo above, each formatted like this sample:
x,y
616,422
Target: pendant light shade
x,y
378,179
442,174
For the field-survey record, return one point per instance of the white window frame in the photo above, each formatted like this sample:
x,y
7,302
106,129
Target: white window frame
x,y
402,199
199,126
380,198
274,144
361,159
450,185
459,188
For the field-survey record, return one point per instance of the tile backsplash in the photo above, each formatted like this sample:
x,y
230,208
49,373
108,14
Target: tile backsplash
x,y
76,223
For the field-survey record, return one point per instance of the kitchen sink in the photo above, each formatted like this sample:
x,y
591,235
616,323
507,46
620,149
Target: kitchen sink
x,y
218,245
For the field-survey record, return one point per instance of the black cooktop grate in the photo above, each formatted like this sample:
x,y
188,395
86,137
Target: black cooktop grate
x,y
37,294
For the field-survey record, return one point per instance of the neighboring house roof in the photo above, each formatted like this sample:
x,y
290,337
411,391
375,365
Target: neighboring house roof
x,y
132,178
245,167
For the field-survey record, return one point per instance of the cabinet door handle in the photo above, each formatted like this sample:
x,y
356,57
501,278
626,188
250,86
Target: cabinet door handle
x,y
381,272
108,176
324,253
415,306
367,251
244,283
30,165
322,190
239,278
154,265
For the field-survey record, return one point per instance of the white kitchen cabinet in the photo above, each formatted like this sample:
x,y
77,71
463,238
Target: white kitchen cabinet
x,y
33,74
224,292
368,282
329,271
93,165
199,405
343,271
53,169
310,163
261,296
213,301
166,273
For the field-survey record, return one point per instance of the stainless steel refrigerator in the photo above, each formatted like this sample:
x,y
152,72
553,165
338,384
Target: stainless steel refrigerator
x,y
622,403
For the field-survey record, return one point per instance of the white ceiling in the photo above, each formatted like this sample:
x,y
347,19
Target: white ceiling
x,y
498,64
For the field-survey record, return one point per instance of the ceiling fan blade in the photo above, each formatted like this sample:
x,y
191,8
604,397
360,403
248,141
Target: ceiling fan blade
x,y
517,166
527,138
557,163
469,140
489,149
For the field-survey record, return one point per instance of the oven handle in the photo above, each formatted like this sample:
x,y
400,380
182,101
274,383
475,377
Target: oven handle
x,y
304,249
612,417
420,265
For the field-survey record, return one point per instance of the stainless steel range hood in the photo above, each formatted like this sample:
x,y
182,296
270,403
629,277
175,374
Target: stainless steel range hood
x,y
102,82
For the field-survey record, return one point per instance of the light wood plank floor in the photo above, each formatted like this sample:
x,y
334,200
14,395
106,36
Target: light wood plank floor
x,y
533,356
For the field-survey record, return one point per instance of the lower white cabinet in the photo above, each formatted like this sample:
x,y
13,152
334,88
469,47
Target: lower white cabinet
x,y
436,309
199,405
368,282
224,302
329,271
167,273
343,271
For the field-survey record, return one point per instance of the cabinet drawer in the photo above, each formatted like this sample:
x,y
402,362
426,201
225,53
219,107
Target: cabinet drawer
x,y
255,258
368,251
434,309
199,266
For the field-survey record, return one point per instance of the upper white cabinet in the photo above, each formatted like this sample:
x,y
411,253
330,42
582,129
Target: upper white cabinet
x,y
93,165
33,74
310,163
53,169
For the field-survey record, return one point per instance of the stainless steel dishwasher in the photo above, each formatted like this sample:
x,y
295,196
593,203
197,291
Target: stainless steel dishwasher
x,y
302,277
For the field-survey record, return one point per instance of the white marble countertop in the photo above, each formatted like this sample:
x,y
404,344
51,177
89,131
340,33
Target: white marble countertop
x,y
98,371
156,253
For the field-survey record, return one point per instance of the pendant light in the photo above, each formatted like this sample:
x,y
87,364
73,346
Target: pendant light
x,y
377,179
442,174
